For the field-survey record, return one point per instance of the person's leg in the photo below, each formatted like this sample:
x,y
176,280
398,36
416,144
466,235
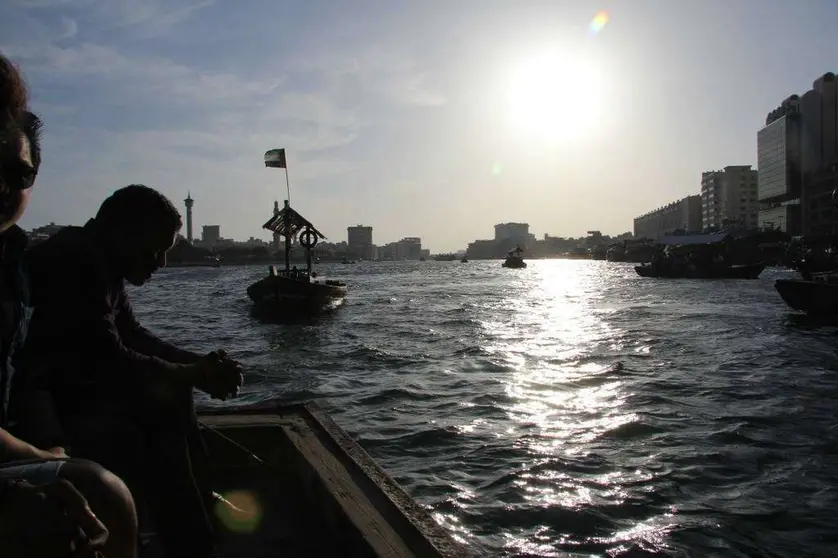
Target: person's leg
x,y
110,500
106,494
177,500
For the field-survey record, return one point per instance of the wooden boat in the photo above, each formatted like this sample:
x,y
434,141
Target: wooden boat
x,y
713,254
290,293
305,488
750,271
515,259
817,296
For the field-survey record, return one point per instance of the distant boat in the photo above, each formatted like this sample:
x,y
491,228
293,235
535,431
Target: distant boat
x,y
515,259
464,260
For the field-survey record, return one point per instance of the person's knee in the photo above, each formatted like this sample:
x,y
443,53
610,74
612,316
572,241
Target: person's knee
x,y
107,495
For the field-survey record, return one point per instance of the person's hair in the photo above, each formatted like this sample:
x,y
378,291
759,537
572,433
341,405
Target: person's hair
x,y
138,207
14,114
14,96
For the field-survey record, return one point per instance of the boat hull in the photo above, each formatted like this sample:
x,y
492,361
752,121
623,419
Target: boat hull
x,y
818,298
310,490
277,292
751,271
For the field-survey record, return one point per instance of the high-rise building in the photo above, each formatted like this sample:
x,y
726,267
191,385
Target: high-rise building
x,y
684,214
798,157
779,168
189,203
729,198
359,241
819,156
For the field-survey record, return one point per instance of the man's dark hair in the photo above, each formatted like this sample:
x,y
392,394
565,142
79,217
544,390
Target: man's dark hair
x,y
136,207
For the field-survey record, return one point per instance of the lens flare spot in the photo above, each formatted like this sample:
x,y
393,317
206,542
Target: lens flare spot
x,y
241,513
599,22
497,169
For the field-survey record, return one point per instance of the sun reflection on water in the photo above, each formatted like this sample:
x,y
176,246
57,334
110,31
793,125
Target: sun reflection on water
x,y
564,405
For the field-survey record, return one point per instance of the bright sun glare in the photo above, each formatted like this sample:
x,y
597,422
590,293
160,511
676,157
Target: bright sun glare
x,y
555,97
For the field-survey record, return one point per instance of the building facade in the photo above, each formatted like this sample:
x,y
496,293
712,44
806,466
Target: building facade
x,y
779,168
210,234
730,198
516,232
819,156
684,214
409,248
359,241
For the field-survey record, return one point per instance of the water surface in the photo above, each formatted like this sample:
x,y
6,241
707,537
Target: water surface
x,y
571,408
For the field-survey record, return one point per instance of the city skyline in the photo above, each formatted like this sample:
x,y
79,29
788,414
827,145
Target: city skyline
x,y
386,123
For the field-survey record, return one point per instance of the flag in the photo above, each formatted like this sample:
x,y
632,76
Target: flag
x,y
275,159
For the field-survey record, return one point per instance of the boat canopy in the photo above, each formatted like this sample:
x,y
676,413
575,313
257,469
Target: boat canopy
x,y
296,223
693,239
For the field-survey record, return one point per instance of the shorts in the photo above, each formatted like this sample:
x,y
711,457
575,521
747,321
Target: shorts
x,y
35,471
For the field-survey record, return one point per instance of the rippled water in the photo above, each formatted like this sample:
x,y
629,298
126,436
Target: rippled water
x,y
571,408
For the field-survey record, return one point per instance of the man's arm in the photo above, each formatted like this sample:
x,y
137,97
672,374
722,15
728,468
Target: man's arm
x,y
75,325
143,341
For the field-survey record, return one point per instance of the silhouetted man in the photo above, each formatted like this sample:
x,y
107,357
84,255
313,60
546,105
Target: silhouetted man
x,y
40,489
123,396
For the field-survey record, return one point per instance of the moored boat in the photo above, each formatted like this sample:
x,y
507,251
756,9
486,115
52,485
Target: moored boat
x,y
705,256
748,271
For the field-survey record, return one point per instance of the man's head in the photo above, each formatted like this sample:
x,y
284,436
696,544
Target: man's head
x,y
139,225
20,145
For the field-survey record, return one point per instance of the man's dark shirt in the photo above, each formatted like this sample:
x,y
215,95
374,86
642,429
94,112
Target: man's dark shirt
x,y
84,343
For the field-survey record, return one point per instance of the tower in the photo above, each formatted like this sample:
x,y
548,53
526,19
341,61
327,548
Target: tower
x,y
189,203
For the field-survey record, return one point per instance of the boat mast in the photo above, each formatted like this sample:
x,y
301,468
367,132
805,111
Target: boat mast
x,y
286,219
275,158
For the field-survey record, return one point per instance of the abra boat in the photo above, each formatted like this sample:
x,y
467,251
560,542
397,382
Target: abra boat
x,y
515,259
290,292
305,488
704,256
749,271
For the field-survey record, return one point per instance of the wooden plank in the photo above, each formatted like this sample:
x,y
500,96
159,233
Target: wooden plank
x,y
353,503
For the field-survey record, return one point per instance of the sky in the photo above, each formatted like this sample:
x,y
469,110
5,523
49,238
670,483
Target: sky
x,y
428,118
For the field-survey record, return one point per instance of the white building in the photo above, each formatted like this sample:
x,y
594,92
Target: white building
x,y
729,197
684,214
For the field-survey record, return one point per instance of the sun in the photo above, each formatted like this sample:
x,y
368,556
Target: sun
x,y
555,97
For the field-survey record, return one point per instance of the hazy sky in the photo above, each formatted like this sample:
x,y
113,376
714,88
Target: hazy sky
x,y
431,118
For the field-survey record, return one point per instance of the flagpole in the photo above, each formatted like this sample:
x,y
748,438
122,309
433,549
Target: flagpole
x,y
287,184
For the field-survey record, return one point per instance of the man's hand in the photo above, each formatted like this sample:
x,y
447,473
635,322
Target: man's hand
x,y
32,516
218,375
